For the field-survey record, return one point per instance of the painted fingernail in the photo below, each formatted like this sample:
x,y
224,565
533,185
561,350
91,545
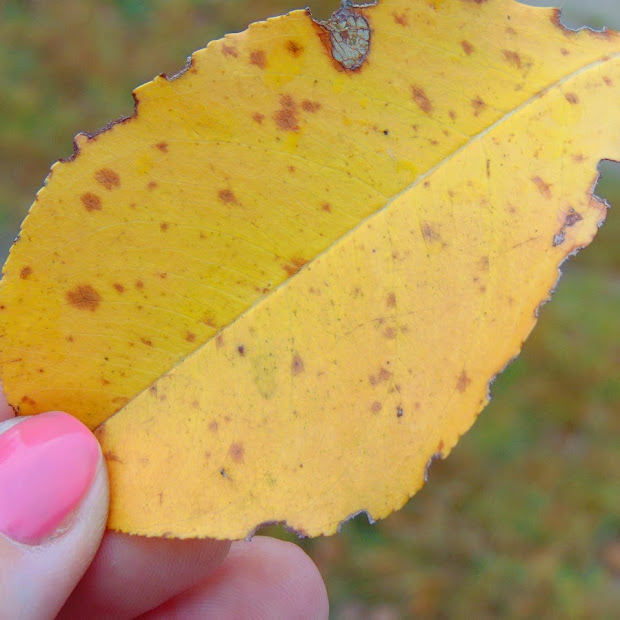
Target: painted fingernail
x,y
47,463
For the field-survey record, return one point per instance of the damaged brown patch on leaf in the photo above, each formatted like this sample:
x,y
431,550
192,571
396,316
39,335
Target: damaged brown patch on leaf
x,y
572,98
236,452
462,382
542,186
108,178
228,196
119,287
84,297
297,365
400,18
479,105
572,217
286,117
421,99
91,201
229,50
258,58
162,146
310,106
468,48
382,376
294,48
294,265
512,58
429,233
25,272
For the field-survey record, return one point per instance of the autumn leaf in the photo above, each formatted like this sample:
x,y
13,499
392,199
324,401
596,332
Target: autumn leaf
x,y
282,287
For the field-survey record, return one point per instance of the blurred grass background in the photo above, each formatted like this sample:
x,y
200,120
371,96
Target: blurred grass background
x,y
523,519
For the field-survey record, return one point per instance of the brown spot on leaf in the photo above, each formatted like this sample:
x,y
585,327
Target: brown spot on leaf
x,y
608,80
91,201
258,58
376,406
236,452
258,118
162,146
400,18
139,284
229,50
390,300
286,116
241,350
572,98
25,272
294,266
483,263
310,106
147,342
421,99
28,401
564,51
297,365
190,337
478,105
429,233
213,426
84,297
389,333
462,382
512,58
164,226
468,48
572,218
219,341
452,114
542,186
326,207
382,376
228,196
110,455
119,287
294,48
151,185
108,178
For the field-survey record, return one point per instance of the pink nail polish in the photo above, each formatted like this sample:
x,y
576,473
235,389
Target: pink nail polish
x,y
47,463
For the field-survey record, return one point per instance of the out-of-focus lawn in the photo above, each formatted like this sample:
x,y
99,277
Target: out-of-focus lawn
x,y
523,519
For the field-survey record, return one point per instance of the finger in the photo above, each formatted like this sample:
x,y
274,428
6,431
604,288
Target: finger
x,y
131,575
53,509
263,579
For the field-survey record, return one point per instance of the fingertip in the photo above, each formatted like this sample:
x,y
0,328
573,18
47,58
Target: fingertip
x,y
53,509
264,579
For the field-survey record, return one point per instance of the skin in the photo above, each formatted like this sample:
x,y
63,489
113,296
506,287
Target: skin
x,y
85,571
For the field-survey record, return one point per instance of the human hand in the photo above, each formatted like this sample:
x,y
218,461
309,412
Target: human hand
x,y
56,559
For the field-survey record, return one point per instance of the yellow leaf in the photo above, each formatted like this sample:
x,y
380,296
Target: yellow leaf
x,y
281,288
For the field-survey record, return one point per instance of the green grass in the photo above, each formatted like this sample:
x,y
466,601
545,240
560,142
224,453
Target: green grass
x,y
523,519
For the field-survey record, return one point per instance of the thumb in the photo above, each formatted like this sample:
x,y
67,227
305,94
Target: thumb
x,y
53,510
